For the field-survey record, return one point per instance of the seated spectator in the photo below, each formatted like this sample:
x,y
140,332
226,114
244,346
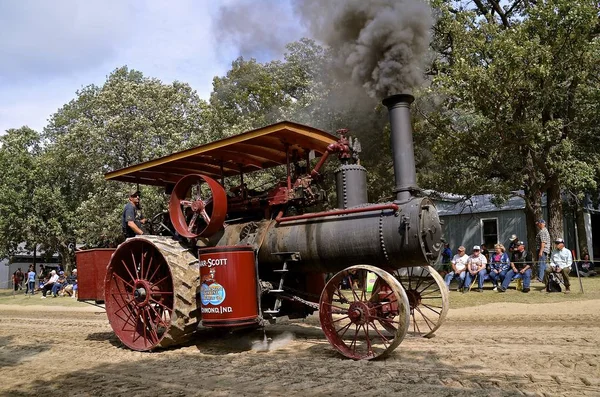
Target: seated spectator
x,y
49,284
561,261
520,264
514,244
71,288
476,267
499,265
59,284
459,268
585,267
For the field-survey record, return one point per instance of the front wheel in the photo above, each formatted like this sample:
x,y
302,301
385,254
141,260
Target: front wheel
x,y
352,318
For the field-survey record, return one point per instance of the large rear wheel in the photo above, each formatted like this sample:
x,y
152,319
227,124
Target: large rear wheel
x,y
150,293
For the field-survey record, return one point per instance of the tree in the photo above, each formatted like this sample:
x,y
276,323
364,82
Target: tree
x,y
130,119
513,101
19,151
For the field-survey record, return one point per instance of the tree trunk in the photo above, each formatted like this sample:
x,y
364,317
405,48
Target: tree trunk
x,y
555,210
581,231
533,212
65,254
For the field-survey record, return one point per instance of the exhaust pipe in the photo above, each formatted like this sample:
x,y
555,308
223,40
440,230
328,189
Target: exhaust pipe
x,y
403,152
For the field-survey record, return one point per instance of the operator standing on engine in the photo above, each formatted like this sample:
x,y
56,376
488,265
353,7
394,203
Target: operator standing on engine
x,y
132,219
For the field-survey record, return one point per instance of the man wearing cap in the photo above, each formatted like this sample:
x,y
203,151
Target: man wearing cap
x,y
459,268
476,266
512,247
132,219
560,262
520,264
542,242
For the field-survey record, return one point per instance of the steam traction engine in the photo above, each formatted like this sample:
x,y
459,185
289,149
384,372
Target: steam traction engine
x,y
245,257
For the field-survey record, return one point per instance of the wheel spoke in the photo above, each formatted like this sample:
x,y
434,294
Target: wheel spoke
x,y
386,320
153,331
153,273
142,256
383,338
353,344
205,216
162,305
356,298
427,320
430,308
337,307
159,316
161,280
145,276
127,269
345,328
185,203
192,223
383,298
127,304
428,285
421,279
126,321
369,346
135,267
340,319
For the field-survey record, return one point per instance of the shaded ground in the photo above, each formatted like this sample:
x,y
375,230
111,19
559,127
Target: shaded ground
x,y
500,349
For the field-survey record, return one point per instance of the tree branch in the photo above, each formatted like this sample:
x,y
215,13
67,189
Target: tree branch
x,y
501,13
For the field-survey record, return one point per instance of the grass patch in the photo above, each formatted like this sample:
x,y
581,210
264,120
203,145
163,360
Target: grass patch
x,y
19,298
591,288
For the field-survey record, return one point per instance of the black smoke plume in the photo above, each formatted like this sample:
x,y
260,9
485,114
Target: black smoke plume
x,y
379,44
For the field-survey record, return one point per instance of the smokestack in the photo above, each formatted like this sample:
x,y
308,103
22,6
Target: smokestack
x,y
402,145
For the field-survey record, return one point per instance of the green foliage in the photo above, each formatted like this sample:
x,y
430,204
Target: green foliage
x,y
19,179
512,98
130,119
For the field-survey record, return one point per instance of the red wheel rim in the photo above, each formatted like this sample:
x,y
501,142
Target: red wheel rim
x,y
351,319
207,214
139,294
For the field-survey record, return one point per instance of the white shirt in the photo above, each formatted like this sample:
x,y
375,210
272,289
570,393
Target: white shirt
x,y
53,279
475,262
562,258
460,261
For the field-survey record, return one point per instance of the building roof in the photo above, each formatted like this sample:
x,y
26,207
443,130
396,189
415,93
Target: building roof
x,y
247,152
458,205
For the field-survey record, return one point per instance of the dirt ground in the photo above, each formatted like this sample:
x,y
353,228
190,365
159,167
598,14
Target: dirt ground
x,y
500,349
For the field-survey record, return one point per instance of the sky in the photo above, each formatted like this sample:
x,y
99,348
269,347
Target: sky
x,y
50,49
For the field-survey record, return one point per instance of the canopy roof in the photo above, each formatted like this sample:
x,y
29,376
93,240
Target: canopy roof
x,y
247,152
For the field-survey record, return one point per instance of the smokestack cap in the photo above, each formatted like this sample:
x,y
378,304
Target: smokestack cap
x,y
393,100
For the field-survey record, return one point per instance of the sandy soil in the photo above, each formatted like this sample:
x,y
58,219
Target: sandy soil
x,y
493,350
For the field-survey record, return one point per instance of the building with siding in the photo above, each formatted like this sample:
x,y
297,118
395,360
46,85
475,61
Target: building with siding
x,y
478,220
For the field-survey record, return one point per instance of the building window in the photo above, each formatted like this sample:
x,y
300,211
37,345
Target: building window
x,y
489,232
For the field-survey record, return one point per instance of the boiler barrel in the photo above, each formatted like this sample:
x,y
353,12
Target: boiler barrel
x,y
385,238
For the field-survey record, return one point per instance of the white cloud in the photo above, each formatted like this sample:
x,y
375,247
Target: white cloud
x,y
51,49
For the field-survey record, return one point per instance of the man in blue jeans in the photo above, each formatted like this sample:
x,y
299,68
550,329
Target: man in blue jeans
x,y
542,241
476,266
520,264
